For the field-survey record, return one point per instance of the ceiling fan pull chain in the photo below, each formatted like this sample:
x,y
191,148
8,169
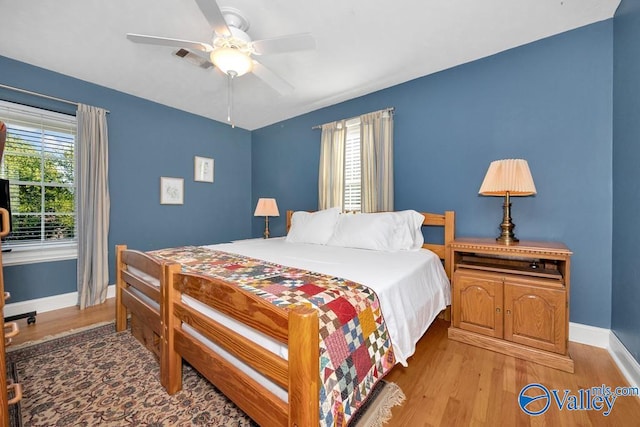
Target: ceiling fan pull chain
x,y
230,76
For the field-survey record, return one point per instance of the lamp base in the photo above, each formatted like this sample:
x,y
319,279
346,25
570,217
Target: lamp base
x,y
507,240
266,227
507,237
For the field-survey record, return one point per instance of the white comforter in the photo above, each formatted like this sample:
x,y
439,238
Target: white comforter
x,y
412,286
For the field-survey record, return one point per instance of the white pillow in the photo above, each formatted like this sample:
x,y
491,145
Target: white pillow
x,y
315,227
408,233
365,231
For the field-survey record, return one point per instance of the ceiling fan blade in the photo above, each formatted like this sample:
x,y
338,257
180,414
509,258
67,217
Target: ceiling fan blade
x,y
212,12
272,79
165,41
290,43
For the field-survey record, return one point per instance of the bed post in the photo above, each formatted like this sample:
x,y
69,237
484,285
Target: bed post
x,y
289,216
304,367
449,236
121,310
170,360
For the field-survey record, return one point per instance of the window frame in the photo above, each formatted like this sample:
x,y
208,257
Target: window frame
x,y
18,253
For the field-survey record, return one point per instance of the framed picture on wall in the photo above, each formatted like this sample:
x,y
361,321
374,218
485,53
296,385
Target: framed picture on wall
x,y
171,191
203,169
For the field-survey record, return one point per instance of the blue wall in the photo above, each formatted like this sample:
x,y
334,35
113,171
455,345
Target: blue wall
x,y
146,141
549,102
625,318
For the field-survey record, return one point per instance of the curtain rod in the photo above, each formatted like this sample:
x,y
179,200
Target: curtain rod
x,y
389,109
41,95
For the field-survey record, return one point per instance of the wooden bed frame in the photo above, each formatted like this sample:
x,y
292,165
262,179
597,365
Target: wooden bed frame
x,y
297,328
146,323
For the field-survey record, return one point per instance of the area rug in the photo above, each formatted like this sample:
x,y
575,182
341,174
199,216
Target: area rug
x,y
377,409
99,377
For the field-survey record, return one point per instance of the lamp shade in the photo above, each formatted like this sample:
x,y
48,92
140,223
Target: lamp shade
x,y
228,59
508,176
266,207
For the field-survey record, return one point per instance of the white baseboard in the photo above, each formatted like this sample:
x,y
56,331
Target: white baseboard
x,y
629,366
42,305
589,335
605,338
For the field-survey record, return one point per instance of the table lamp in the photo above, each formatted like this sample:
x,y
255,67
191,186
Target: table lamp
x,y
508,177
266,207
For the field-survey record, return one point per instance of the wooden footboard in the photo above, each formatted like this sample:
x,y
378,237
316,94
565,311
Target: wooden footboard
x,y
145,318
296,328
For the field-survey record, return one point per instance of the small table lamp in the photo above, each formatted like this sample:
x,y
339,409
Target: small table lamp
x,y
509,177
266,208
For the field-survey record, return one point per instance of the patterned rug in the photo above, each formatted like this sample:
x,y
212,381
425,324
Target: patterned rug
x,y
98,377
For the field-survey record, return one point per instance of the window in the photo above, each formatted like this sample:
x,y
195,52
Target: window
x,y
39,162
352,168
356,163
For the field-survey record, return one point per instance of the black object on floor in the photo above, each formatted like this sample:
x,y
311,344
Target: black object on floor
x,y
30,316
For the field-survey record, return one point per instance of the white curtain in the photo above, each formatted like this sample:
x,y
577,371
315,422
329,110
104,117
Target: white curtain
x,y
93,205
331,176
376,139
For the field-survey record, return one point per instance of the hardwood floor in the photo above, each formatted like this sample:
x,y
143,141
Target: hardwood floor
x,y
58,321
449,383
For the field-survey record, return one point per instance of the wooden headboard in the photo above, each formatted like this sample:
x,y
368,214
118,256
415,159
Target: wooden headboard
x,y
446,220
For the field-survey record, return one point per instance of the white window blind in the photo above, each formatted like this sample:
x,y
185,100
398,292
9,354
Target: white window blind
x,y
352,167
39,161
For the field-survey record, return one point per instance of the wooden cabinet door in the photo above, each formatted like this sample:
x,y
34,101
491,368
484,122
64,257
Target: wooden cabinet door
x,y
477,303
535,316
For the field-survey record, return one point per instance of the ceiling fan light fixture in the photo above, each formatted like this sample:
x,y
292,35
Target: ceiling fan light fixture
x,y
229,59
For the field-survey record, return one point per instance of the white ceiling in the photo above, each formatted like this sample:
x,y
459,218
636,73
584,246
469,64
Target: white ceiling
x,y
362,45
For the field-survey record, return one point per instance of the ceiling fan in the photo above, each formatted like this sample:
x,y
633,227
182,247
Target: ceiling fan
x,y
232,51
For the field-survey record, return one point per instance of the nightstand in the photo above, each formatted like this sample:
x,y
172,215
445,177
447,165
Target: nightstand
x,y
513,299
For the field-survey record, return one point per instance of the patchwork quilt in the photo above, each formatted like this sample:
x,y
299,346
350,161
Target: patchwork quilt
x,y
355,347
